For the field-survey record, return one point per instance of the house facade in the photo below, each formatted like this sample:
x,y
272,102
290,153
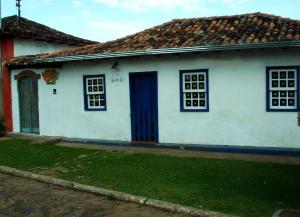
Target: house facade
x,y
29,38
240,93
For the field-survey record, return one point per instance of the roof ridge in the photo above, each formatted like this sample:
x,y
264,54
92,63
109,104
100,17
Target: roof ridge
x,y
236,15
54,29
202,18
215,17
31,27
9,16
48,27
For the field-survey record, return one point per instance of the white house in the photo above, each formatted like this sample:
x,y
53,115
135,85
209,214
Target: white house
x,y
19,37
230,80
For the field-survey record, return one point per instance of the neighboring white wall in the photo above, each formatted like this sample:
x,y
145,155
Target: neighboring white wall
x,y
31,47
237,94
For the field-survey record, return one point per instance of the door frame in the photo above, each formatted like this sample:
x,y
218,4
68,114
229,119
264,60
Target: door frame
x,y
131,75
33,76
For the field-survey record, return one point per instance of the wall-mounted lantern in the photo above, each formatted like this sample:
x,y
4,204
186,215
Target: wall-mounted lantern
x,y
115,65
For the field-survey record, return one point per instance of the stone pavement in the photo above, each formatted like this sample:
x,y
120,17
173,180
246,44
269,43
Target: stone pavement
x,y
23,197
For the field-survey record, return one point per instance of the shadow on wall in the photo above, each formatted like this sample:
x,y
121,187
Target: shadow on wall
x,y
2,126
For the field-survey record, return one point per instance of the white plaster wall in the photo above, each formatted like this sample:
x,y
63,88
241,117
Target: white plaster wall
x,y
31,47
15,104
237,97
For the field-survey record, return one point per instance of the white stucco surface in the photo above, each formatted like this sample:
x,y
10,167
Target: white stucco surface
x,y
237,101
31,47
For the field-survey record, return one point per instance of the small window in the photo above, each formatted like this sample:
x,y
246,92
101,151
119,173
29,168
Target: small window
x,y
282,89
94,92
194,90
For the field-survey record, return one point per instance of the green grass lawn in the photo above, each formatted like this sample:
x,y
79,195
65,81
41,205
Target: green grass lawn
x,y
242,188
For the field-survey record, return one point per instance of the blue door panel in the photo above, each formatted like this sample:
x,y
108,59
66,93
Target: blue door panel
x,y
143,98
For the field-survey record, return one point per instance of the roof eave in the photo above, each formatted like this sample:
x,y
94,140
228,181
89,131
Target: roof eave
x,y
161,51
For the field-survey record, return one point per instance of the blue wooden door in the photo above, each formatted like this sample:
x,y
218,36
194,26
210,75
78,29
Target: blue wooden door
x,y
28,104
143,100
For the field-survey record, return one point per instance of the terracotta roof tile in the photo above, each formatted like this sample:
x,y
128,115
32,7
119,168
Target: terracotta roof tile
x,y
31,29
224,30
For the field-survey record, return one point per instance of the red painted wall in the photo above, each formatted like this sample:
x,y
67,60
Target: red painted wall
x,y
7,51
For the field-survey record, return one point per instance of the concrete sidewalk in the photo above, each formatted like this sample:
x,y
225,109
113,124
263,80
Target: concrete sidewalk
x,y
60,141
188,153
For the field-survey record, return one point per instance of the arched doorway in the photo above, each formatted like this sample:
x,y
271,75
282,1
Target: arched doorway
x,y
28,101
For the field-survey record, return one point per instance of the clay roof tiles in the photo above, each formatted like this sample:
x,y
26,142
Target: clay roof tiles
x,y
252,28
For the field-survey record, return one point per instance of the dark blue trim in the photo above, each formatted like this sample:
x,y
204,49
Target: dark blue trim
x,y
130,102
181,90
85,95
156,103
268,68
193,147
131,75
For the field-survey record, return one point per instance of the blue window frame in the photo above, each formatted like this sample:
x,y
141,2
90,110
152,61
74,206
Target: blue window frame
x,y
282,88
194,90
94,92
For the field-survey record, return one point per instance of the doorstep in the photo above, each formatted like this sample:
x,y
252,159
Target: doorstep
x,y
36,138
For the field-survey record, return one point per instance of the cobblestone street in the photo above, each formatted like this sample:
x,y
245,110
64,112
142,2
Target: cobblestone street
x,y
24,197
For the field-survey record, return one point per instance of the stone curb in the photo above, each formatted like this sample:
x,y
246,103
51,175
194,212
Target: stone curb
x,y
277,213
114,194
